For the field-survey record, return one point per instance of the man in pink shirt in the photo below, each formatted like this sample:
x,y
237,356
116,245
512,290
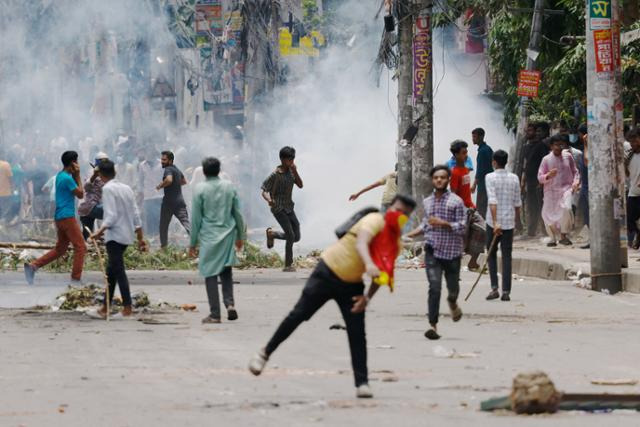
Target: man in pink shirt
x,y
560,179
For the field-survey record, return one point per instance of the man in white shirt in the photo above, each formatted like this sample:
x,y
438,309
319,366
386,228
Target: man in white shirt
x,y
632,166
503,192
120,222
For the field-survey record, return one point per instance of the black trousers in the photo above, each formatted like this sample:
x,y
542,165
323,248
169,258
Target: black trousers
x,y
435,268
322,286
533,205
290,233
506,245
211,283
482,201
89,221
116,272
633,214
169,210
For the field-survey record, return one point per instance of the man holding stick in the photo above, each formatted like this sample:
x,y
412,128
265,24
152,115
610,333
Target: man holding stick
x,y
503,191
68,186
121,221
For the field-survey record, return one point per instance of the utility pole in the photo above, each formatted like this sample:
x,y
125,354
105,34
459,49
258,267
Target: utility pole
x,y
422,147
604,118
532,54
405,88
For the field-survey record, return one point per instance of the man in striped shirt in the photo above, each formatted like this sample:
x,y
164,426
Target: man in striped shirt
x,y
503,191
276,191
443,227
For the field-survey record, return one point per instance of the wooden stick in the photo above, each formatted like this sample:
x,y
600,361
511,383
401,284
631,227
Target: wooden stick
x,y
10,245
104,273
486,261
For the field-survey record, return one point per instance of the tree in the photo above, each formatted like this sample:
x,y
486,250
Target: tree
x,y
563,67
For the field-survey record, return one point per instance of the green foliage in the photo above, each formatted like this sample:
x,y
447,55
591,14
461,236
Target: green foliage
x,y
563,67
310,16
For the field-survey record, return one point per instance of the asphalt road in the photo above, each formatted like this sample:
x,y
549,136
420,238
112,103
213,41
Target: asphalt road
x,y
66,369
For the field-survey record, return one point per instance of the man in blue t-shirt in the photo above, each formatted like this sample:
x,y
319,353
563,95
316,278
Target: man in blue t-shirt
x,y
68,187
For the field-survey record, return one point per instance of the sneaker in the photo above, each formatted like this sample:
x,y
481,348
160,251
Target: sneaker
x,y
432,334
494,294
290,269
566,242
210,319
456,312
127,311
552,244
270,239
363,391
232,314
505,297
29,273
257,362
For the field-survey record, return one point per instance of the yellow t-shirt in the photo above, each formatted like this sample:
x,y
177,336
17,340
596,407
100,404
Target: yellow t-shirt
x,y
342,257
390,187
5,179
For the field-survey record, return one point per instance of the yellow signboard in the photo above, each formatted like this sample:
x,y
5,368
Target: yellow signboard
x,y
308,44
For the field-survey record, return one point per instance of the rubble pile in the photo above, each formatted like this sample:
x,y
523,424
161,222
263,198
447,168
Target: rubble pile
x,y
78,297
534,393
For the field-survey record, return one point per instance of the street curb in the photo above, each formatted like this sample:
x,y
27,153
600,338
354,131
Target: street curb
x,y
554,270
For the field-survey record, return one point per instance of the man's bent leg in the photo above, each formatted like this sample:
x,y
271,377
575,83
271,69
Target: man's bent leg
x,y
434,276
74,234
313,297
287,234
60,249
452,277
182,214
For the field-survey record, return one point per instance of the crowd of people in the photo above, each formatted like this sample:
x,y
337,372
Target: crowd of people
x,y
117,199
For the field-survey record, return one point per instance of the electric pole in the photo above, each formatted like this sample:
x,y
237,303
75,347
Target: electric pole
x,y
532,54
405,87
604,118
422,147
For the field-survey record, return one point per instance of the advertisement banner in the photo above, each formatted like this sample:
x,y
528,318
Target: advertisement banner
x,y
421,55
603,46
528,83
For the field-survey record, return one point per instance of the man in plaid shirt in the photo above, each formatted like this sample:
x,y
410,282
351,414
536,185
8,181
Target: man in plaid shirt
x,y
443,226
503,190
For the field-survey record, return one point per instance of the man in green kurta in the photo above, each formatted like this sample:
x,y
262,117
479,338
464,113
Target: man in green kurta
x,y
217,226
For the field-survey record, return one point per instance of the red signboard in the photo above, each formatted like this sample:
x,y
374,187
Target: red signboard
x,y
603,45
421,56
528,83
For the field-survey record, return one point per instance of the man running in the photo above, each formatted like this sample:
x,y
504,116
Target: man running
x,y
443,227
338,277
121,221
68,187
276,191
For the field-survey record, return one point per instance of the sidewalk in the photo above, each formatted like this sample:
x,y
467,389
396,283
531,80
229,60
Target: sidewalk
x,y
534,259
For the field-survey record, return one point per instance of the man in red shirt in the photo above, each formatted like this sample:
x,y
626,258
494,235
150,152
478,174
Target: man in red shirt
x,y
461,185
460,177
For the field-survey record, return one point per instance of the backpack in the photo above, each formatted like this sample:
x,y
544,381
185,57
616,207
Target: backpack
x,y
344,228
